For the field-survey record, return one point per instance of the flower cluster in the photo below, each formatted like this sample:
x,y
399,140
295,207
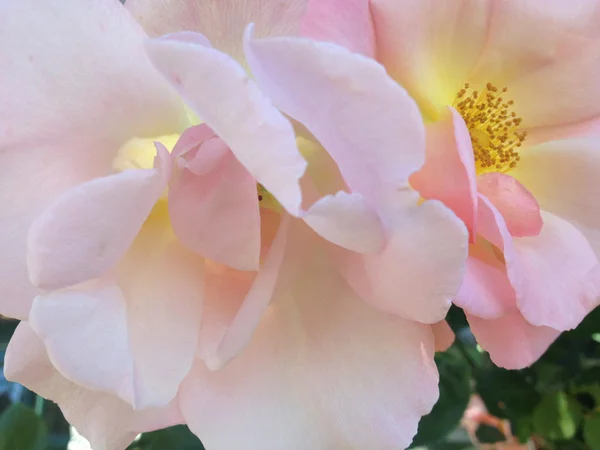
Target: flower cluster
x,y
252,216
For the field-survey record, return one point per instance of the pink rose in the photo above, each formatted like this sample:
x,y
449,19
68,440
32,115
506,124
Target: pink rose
x,y
499,83
180,251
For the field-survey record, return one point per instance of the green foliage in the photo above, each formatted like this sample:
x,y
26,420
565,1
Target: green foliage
x,y
557,417
22,429
179,437
591,431
455,391
487,434
507,394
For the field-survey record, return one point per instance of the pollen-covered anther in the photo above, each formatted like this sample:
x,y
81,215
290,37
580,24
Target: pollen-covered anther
x,y
493,127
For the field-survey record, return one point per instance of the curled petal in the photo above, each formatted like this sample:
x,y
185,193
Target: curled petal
x,y
209,200
221,93
84,232
517,205
366,121
448,174
348,221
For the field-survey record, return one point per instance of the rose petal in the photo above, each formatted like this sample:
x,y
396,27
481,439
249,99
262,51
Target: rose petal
x,y
223,96
221,21
532,47
512,342
85,332
365,120
556,264
106,421
486,291
443,335
47,144
348,221
448,174
207,209
421,268
430,47
517,205
285,257
136,339
85,231
343,22
317,374
563,177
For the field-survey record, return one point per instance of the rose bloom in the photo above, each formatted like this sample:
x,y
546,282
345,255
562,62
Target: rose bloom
x,y
180,251
509,91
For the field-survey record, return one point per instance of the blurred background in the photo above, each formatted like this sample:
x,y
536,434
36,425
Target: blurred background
x,y
554,404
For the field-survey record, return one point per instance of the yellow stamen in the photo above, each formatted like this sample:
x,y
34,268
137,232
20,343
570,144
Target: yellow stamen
x,y
493,127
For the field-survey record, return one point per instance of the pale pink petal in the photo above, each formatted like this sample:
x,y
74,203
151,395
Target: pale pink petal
x,y
224,292
220,92
420,269
191,138
517,205
366,121
209,155
221,21
285,257
137,338
107,422
486,291
348,221
91,54
323,371
512,342
163,285
207,209
492,228
564,178
344,22
532,48
443,335
448,174
556,264
85,231
430,47
85,332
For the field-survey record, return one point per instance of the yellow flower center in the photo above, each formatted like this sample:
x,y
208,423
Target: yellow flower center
x,y
493,126
139,153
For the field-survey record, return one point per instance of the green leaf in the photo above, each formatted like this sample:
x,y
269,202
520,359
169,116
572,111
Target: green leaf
x,y
591,431
22,429
179,437
486,434
588,327
507,394
455,392
456,319
522,428
557,417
